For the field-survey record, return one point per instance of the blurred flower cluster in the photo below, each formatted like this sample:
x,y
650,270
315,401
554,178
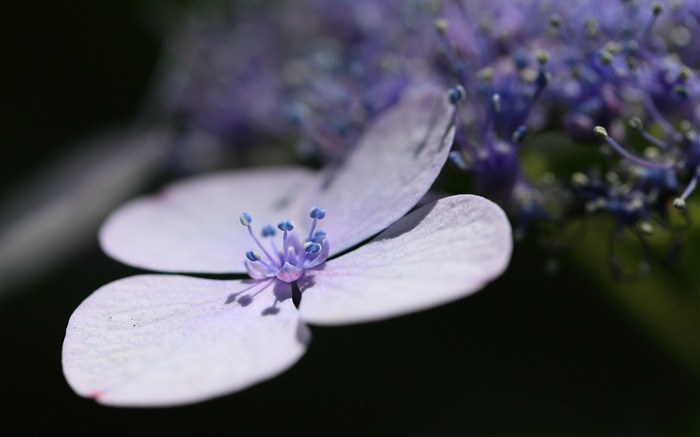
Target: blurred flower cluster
x,y
619,79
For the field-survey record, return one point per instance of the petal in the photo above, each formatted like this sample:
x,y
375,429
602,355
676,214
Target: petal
x,y
193,225
157,340
390,169
439,253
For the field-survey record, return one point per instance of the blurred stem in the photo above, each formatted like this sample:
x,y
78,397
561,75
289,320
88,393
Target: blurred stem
x,y
51,218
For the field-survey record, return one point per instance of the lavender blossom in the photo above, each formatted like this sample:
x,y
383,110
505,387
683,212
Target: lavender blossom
x,y
316,72
158,340
580,66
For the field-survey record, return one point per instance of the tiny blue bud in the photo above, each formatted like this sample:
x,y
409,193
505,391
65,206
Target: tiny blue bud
x,y
457,93
245,219
312,247
285,225
317,213
253,255
268,231
521,60
519,134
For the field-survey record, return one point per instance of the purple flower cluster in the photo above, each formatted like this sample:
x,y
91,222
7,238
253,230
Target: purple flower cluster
x,y
320,72
582,69
313,72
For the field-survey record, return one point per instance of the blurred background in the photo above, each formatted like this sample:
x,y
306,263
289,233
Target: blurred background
x,y
534,353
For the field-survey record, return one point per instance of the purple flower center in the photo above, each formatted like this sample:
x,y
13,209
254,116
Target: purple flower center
x,y
286,263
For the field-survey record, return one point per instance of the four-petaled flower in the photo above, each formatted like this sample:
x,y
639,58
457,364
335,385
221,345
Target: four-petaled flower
x,y
153,340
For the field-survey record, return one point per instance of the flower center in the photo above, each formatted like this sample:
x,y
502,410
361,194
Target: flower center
x,y
289,262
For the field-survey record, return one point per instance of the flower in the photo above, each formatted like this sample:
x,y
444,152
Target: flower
x,y
317,72
578,69
157,340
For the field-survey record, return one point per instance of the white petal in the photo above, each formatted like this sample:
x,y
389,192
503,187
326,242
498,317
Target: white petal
x,y
391,168
193,225
158,340
439,253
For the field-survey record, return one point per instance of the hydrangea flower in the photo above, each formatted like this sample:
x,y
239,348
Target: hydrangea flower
x,y
581,70
156,340
316,72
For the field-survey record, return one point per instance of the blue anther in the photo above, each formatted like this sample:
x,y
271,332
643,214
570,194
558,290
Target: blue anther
x,y
456,94
519,134
318,237
312,247
268,231
253,255
285,225
245,219
458,159
317,213
521,60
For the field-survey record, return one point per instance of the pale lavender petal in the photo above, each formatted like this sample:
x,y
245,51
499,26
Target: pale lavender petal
x,y
157,340
193,225
391,168
439,253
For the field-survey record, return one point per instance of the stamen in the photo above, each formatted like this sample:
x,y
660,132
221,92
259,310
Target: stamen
x,y
636,124
246,220
602,133
290,263
656,10
556,27
316,214
456,64
253,255
312,247
679,202
656,115
285,226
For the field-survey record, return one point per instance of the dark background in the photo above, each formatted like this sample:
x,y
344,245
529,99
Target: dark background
x,y
532,354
